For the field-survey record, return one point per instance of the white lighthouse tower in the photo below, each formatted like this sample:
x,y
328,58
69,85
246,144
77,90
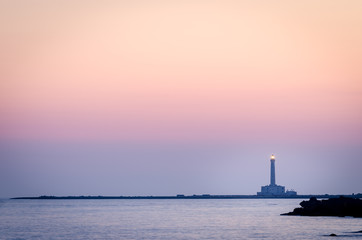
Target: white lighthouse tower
x,y
274,190
272,170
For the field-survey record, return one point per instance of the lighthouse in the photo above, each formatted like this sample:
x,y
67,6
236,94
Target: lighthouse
x,y
274,190
272,170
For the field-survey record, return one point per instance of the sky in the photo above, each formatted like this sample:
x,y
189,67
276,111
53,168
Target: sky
x,y
179,97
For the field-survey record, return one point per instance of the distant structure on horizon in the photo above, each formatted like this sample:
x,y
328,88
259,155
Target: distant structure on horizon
x,y
272,189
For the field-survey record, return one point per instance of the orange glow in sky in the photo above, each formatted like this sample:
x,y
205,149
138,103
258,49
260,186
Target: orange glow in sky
x,y
181,71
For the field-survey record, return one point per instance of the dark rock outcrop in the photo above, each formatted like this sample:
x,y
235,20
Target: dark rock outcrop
x,y
340,207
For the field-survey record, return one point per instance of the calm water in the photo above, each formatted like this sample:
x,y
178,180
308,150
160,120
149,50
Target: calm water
x,y
166,219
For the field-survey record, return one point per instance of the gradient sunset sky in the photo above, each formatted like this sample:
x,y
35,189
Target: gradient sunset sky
x,y
179,97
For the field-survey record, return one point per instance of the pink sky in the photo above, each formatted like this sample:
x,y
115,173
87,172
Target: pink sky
x,y
166,97
167,70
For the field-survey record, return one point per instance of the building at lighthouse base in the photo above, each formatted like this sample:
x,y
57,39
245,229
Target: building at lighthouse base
x,y
272,190
275,190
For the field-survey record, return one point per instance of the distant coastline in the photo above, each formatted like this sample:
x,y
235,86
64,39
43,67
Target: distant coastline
x,y
203,196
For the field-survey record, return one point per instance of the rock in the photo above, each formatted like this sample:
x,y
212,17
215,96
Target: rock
x,y
333,235
341,207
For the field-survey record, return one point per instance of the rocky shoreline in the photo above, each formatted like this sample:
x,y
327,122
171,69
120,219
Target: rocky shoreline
x,y
340,207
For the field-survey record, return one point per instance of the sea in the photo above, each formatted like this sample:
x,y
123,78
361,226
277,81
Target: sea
x,y
167,219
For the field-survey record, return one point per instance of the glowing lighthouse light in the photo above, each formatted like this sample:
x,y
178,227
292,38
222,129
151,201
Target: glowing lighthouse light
x,y
272,156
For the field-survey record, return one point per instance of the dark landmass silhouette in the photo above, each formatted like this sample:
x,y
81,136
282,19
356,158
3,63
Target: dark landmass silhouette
x,y
340,207
203,196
